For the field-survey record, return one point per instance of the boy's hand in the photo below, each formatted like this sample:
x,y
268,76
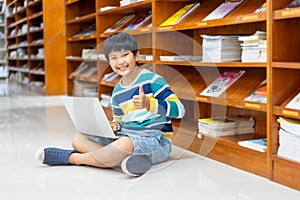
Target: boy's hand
x,y
141,101
114,126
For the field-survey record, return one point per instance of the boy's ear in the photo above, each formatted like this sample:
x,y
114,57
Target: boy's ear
x,y
137,56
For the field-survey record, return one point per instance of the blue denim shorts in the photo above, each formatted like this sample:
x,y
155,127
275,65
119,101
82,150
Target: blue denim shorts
x,y
146,142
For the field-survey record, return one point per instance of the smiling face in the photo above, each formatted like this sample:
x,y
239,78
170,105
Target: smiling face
x,y
123,62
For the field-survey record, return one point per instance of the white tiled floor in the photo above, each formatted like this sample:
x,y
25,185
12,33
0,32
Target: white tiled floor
x,y
29,122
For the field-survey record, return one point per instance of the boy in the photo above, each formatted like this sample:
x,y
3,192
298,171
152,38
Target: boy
x,y
143,106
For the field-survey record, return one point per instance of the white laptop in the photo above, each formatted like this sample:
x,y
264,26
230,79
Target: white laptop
x,y
88,116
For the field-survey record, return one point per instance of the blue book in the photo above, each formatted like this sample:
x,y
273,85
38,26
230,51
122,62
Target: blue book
x,y
256,144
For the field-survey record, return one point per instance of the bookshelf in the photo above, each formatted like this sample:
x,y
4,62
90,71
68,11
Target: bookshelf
x,y
32,40
188,78
3,68
283,65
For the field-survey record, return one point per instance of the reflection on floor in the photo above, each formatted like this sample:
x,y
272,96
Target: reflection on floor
x,y
28,122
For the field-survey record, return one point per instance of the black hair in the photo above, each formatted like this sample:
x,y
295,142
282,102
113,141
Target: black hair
x,y
118,42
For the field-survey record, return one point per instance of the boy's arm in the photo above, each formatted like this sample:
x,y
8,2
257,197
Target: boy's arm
x,y
164,101
117,115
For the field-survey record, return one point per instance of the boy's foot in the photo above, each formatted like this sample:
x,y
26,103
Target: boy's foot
x,y
53,156
136,165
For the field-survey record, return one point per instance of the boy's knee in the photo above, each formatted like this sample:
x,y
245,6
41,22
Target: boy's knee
x,y
77,140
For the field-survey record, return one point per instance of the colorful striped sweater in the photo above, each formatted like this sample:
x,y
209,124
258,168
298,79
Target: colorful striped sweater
x,y
164,104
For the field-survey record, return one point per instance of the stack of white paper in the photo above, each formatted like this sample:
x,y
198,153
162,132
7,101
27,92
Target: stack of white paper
x,y
254,47
217,48
289,138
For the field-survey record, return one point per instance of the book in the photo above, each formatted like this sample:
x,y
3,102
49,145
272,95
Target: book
x,y
110,76
289,145
140,21
293,4
222,83
120,23
255,144
290,125
259,94
180,14
261,8
257,36
86,31
294,103
224,9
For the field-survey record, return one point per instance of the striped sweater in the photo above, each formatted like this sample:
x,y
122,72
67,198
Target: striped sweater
x,y
164,104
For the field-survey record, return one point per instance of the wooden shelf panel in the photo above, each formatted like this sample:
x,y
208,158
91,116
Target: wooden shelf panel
x,y
285,112
286,172
288,13
83,19
226,150
286,65
34,3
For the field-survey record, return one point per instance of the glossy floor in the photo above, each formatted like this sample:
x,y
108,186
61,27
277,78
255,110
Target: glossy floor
x,y
29,121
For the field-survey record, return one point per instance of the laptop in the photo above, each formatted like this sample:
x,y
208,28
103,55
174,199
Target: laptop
x,y
88,116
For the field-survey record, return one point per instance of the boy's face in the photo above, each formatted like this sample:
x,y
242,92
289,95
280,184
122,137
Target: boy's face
x,y
122,62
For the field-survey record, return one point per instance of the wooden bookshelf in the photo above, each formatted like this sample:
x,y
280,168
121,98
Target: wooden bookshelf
x,y
188,79
34,31
283,65
80,15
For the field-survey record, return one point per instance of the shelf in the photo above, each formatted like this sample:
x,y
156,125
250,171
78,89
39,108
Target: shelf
x,y
90,37
83,19
70,2
36,15
189,79
214,64
33,14
288,13
34,3
286,65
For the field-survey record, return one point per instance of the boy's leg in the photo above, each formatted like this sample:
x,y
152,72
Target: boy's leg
x,y
83,144
108,156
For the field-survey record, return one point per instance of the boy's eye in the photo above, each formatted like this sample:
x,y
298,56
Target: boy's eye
x,y
125,54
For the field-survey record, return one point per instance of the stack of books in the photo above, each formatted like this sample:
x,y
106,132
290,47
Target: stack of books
x,y
289,138
254,47
221,48
225,126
